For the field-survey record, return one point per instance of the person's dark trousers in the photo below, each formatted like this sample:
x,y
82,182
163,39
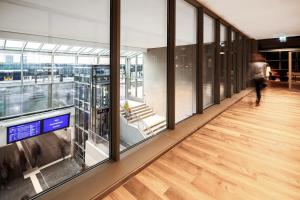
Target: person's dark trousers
x,y
258,87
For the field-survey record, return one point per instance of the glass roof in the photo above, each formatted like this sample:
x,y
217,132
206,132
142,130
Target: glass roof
x,y
13,44
75,49
33,45
87,50
60,48
48,47
2,43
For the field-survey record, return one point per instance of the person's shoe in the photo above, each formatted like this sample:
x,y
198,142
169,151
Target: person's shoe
x,y
257,102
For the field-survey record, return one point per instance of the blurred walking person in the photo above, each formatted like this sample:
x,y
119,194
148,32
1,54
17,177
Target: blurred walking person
x,y
3,176
36,153
22,161
257,72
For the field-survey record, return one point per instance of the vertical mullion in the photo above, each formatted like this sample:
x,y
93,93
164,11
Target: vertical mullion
x,y
199,67
217,63
171,63
238,64
115,9
229,63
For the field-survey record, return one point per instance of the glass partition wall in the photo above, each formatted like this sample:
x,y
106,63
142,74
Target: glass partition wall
x,y
208,60
223,60
185,60
49,71
234,63
144,73
54,93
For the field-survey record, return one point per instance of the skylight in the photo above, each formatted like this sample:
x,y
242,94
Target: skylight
x,y
97,51
14,44
48,47
33,45
63,48
87,50
2,43
74,49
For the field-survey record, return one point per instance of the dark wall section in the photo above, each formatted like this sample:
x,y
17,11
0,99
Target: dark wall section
x,y
274,43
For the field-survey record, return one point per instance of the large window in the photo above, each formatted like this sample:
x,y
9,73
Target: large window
x,y
208,60
234,63
54,45
143,70
185,60
223,60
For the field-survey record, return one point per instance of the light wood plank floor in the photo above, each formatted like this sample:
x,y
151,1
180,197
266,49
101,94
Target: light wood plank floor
x,y
247,152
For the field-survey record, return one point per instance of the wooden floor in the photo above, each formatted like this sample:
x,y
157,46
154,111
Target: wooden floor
x,y
247,152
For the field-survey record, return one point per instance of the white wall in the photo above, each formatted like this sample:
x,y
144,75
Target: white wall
x,y
155,79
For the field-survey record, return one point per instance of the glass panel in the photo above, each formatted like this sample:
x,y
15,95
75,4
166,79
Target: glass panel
x,y
63,94
63,68
87,60
63,48
2,43
223,59
12,44
74,49
87,50
233,67
185,60
144,30
208,60
48,47
36,98
37,68
32,45
43,82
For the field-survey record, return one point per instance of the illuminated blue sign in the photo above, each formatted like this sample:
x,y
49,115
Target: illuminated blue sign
x,y
23,131
56,123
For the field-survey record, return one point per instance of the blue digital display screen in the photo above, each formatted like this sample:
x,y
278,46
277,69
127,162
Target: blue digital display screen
x,y
56,123
23,131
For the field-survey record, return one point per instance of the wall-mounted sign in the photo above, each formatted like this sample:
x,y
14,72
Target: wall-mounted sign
x,y
56,123
23,131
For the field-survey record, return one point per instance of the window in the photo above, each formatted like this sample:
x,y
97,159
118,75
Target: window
x,y
234,63
223,60
63,70
143,90
208,60
185,60
51,68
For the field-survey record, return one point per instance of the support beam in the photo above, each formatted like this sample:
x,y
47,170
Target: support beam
x,y
217,63
199,67
115,78
171,64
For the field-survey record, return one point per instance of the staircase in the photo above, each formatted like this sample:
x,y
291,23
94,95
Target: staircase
x,y
142,113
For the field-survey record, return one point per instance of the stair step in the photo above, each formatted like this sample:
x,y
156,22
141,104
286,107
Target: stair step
x,y
142,117
134,109
156,129
139,111
139,115
156,124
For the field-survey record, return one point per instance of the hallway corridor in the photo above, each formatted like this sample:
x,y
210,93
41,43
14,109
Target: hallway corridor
x,y
247,152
